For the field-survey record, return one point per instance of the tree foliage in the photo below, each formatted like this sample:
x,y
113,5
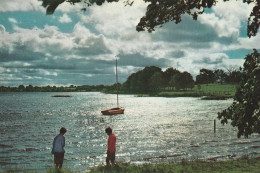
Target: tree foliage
x,y
157,81
233,76
205,77
220,75
141,81
169,72
152,79
159,12
244,113
182,81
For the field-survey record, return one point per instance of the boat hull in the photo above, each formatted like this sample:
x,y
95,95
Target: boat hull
x,y
113,111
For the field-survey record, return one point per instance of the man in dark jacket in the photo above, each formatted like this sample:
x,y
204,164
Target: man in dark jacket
x,y
58,148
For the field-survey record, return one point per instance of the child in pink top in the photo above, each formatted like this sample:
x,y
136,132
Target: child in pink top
x,y
111,146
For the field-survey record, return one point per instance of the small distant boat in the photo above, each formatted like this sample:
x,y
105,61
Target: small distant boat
x,y
118,109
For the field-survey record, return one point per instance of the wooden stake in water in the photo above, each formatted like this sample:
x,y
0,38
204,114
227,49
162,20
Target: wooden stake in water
x,y
215,126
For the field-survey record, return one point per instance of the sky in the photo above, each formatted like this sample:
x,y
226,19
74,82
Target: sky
x,y
72,47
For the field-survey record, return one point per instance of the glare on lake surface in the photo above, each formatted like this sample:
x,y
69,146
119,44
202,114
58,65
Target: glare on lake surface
x,y
152,130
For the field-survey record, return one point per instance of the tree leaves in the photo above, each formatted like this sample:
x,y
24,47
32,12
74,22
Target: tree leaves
x,y
51,5
244,112
254,20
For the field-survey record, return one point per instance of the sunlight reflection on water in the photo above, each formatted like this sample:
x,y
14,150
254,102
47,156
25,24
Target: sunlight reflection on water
x,y
152,130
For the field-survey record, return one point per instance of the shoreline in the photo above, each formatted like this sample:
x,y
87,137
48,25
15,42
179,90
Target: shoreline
x,y
243,164
201,96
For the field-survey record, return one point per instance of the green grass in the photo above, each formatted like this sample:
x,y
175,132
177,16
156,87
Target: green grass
x,y
212,90
53,170
47,170
224,89
234,166
243,165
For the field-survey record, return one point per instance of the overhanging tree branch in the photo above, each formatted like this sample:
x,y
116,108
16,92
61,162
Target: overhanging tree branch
x,y
159,12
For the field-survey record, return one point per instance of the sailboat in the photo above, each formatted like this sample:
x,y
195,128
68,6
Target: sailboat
x,y
118,109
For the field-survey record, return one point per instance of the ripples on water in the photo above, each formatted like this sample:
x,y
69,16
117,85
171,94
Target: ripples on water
x,y
152,130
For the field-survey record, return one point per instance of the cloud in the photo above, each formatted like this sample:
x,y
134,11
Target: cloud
x,y
117,23
227,17
66,7
65,19
2,28
20,5
138,60
50,40
190,33
113,19
249,43
207,60
47,53
12,20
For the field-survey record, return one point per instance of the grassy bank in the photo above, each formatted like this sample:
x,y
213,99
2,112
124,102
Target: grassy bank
x,y
207,91
241,165
212,91
250,165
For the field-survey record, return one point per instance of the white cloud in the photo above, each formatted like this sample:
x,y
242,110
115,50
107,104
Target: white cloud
x,y
26,64
12,20
127,70
88,75
68,8
65,19
20,5
50,40
2,28
47,73
2,69
227,17
249,43
116,19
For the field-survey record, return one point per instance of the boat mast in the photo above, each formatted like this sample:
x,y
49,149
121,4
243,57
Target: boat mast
x,y
117,84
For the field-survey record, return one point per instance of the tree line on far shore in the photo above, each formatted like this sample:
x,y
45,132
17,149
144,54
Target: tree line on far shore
x,y
153,79
150,79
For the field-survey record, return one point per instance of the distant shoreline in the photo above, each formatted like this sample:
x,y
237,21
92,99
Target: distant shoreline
x,y
205,91
202,96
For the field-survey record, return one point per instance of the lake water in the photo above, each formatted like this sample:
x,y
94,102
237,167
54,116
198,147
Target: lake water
x,y
152,130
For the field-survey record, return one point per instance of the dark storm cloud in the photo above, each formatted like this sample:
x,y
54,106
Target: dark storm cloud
x,y
139,60
19,53
198,35
177,54
207,60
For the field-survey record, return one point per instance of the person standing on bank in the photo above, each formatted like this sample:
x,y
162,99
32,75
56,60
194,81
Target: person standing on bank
x,y
111,146
58,148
